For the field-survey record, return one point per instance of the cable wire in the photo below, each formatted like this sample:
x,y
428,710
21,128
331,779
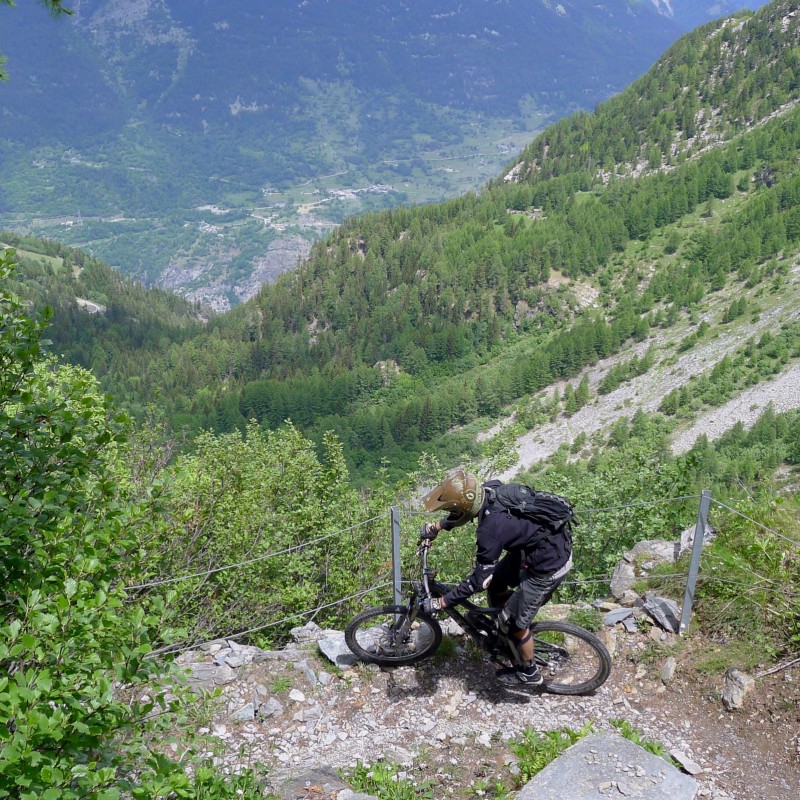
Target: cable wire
x,y
749,586
791,541
581,582
205,573
274,623
579,511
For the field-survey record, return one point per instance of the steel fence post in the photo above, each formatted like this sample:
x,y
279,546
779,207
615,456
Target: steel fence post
x,y
396,573
694,565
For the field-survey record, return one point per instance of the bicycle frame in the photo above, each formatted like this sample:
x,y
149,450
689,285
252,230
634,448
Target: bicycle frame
x,y
487,636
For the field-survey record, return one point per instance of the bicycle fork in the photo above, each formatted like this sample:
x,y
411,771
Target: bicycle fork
x,y
401,631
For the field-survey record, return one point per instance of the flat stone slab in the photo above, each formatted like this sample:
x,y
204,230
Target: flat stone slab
x,y
606,765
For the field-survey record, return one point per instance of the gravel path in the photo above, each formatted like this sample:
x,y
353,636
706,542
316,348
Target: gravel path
x,y
449,720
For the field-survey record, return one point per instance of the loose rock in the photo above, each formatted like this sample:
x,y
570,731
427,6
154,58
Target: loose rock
x,y
737,685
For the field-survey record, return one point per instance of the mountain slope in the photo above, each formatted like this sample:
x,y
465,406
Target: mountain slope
x,y
133,131
707,88
416,328
691,13
172,58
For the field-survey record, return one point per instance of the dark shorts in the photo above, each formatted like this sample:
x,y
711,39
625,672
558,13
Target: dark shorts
x,y
533,592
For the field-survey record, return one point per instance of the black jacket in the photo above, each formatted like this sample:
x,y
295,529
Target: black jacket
x,y
499,532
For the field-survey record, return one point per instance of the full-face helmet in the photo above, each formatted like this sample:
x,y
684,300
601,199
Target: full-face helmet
x,y
459,493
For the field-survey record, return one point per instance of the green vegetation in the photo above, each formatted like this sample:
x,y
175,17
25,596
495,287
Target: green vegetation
x,y
82,707
309,116
256,498
589,618
666,116
627,730
625,371
388,782
275,437
755,361
406,325
536,750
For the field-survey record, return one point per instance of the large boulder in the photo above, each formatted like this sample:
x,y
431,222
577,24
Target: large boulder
x,y
206,676
334,647
737,686
607,765
663,611
639,561
687,538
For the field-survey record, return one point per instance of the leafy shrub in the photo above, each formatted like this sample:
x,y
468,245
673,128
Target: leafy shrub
x,y
264,501
384,781
536,750
589,618
749,576
82,707
625,729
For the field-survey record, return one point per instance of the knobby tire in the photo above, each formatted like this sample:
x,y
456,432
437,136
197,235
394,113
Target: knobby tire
x,y
372,636
571,659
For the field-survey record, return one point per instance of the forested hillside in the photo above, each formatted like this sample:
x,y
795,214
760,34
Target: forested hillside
x,y
133,131
673,199
691,13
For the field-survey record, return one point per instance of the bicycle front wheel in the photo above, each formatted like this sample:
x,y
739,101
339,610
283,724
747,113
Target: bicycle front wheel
x,y
572,660
386,635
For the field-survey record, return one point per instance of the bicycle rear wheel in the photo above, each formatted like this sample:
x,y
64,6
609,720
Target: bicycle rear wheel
x,y
572,660
386,635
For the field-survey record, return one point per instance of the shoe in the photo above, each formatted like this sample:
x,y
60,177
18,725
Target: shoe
x,y
530,676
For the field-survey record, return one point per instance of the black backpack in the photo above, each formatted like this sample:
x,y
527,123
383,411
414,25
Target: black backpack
x,y
550,510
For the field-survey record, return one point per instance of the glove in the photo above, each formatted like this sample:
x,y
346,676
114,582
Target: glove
x,y
430,530
432,606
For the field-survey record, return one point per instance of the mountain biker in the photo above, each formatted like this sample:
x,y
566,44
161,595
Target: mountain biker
x,y
535,560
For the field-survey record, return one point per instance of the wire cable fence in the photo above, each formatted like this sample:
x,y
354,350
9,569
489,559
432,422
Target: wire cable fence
x,y
258,596
607,553
239,564
758,524
312,612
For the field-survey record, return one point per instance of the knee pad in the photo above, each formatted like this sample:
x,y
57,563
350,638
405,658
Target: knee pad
x,y
505,623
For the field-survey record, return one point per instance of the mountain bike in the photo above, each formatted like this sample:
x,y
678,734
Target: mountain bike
x,y
572,660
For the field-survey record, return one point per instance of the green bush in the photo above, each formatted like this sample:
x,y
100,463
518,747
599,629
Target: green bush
x,y
749,576
265,501
536,750
627,730
83,710
384,781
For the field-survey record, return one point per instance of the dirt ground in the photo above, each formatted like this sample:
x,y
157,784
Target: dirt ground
x,y
447,720
754,752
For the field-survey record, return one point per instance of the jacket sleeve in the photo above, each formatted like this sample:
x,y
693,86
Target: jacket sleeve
x,y
489,550
454,520
475,582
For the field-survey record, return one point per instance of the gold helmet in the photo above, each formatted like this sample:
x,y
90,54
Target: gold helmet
x,y
459,493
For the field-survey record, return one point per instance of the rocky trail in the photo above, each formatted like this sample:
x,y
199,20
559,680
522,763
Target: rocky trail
x,y
447,720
